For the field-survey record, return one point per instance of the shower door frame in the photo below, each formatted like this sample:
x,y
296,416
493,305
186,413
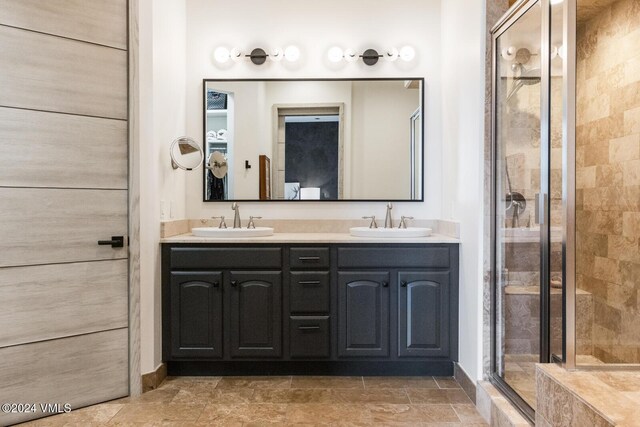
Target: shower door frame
x,y
504,24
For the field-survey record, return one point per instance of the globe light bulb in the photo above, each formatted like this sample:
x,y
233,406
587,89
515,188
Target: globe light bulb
x,y
407,53
292,53
221,54
335,54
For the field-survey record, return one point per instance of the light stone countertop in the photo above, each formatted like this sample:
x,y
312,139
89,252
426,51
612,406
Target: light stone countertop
x,y
309,238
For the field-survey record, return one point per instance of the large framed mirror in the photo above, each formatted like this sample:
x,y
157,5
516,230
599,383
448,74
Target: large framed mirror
x,y
314,140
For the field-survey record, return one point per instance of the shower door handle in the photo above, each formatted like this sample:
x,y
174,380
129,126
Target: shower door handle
x,y
541,208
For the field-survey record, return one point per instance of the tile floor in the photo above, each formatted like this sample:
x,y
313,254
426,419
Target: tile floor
x,y
285,401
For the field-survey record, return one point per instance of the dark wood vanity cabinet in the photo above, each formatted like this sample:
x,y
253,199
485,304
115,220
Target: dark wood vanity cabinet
x,y
333,308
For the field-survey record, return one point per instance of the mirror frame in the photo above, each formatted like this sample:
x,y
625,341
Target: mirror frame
x,y
410,120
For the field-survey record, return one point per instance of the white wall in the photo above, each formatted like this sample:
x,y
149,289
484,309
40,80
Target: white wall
x,y
162,119
463,64
314,27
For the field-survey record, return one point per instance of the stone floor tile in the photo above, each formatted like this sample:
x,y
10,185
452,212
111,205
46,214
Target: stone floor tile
x,y
399,382
255,382
447,382
327,382
244,413
157,412
434,396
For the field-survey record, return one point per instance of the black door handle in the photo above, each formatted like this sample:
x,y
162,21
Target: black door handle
x,y
115,242
234,283
403,284
385,284
216,284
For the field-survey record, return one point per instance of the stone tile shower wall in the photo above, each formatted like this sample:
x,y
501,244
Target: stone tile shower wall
x,y
608,179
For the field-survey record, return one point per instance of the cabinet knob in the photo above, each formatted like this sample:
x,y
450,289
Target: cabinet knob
x,y
234,283
216,284
385,284
403,284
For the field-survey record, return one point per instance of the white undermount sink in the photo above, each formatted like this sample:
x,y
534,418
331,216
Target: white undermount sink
x,y
390,232
232,232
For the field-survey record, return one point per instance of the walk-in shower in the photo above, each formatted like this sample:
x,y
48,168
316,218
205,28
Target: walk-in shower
x,y
565,249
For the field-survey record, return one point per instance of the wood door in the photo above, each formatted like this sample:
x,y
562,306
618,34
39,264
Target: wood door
x,y
363,322
196,314
423,314
63,187
255,308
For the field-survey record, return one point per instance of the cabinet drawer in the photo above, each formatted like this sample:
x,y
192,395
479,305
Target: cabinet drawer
x,y
228,257
309,258
397,257
309,337
309,292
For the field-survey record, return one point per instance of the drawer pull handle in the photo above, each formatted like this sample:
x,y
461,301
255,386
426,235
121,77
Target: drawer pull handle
x,y
309,258
308,328
385,284
309,282
403,284
234,283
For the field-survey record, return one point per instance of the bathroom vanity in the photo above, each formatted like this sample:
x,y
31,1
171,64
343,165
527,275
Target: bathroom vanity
x,y
341,306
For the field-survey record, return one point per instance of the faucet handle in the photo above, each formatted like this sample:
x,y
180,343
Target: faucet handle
x,y
403,222
222,223
373,221
252,224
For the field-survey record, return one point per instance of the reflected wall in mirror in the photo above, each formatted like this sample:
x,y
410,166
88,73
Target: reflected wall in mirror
x,y
325,139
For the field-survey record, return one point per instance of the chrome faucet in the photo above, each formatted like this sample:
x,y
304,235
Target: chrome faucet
x,y
388,220
237,223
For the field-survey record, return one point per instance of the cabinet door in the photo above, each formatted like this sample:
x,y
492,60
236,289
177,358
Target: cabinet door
x,y
363,321
196,314
255,306
423,314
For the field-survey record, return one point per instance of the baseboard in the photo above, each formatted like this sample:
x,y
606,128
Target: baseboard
x,y
152,380
465,382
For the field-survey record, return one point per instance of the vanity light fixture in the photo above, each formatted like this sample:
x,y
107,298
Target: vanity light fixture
x,y
258,56
371,56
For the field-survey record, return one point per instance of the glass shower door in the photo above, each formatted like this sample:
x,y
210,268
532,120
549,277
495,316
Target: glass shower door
x,y
518,240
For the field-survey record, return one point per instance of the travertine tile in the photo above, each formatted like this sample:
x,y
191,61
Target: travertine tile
x,y
254,382
327,382
244,413
385,413
447,382
204,394
625,148
399,382
632,121
327,413
439,396
157,412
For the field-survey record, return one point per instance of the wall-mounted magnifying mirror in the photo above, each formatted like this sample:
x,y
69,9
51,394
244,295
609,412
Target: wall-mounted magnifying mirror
x,y
186,154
